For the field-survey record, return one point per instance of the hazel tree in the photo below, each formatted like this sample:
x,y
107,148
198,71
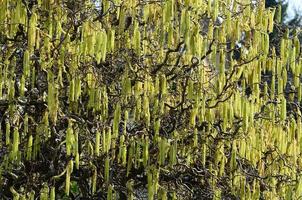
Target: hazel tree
x,y
171,99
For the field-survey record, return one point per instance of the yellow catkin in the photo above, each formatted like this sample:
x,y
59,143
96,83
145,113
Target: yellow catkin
x,y
116,120
91,43
136,38
279,13
97,143
69,138
104,46
32,31
26,64
111,40
98,46
271,21
283,109
209,8
122,18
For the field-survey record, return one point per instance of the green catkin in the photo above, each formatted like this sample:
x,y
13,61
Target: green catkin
x,y
36,147
136,38
209,8
16,141
16,195
124,155
129,186
68,176
126,118
52,195
22,86
108,140
146,110
110,192
156,129
32,31
44,193
107,168
26,64
104,47
31,195
29,147
299,93
94,179
98,46
146,151
122,18
77,160
170,34
69,138
111,40
121,147
193,115
150,185
116,120
211,103
7,132
76,148
97,143
279,14
271,21
104,141
91,43
90,149
283,109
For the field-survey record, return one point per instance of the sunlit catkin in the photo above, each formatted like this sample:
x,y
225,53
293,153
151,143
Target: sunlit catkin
x,y
136,38
104,46
32,31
